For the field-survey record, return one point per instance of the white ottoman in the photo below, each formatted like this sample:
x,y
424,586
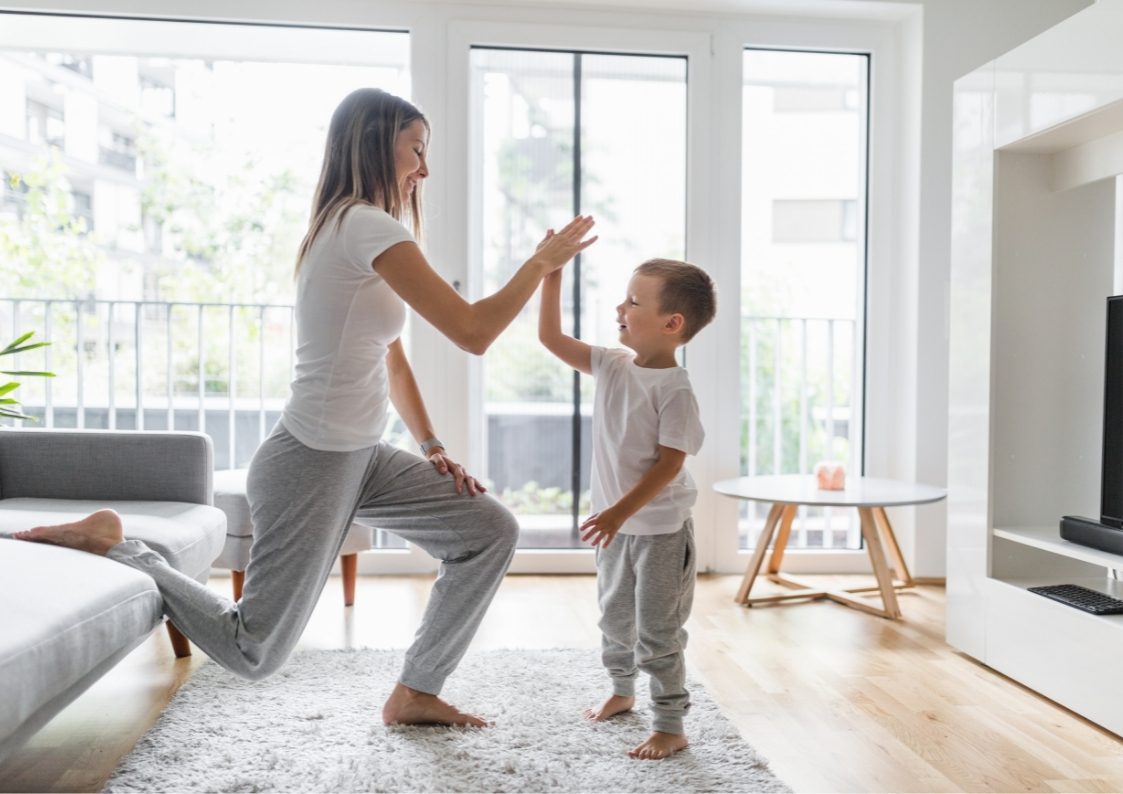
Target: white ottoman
x,y
230,497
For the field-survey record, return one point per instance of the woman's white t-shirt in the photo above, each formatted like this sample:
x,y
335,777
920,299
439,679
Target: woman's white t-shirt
x,y
635,411
346,318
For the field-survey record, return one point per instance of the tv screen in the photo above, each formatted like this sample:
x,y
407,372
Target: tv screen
x,y
1111,484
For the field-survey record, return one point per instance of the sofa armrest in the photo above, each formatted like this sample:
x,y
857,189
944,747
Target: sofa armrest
x,y
106,464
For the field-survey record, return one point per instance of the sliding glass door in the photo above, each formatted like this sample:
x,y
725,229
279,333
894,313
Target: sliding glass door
x,y
554,134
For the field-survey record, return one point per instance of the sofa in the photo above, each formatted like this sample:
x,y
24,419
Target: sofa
x,y
66,617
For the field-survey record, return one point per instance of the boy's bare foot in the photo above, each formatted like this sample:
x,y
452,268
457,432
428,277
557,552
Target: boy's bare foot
x,y
659,745
610,708
97,533
407,706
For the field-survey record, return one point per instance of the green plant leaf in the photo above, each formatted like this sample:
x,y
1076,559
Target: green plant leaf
x,y
11,347
5,412
7,387
11,351
28,373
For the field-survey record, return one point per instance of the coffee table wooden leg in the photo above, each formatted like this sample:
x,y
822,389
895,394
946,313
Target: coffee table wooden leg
x,y
781,543
891,546
742,596
880,566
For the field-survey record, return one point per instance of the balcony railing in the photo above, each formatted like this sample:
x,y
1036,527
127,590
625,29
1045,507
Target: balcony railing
x,y
225,368
800,384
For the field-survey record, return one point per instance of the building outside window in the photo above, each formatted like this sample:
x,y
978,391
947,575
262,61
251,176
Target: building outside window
x,y
45,126
803,276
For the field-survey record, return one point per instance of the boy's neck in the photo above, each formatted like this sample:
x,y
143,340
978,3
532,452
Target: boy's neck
x,y
660,358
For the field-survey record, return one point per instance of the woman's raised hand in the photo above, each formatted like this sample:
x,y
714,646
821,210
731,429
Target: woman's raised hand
x,y
559,247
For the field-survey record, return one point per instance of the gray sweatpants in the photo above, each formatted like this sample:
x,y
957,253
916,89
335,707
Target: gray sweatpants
x,y
646,589
302,502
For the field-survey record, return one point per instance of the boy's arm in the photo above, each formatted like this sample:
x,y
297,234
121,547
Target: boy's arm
x,y
603,526
572,351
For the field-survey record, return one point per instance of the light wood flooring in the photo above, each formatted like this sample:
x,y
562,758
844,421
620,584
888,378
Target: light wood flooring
x,y
835,699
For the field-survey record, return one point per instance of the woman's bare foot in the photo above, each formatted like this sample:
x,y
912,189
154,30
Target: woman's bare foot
x,y
407,706
97,533
659,745
610,708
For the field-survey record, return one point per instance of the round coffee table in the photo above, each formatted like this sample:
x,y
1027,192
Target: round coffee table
x,y
870,495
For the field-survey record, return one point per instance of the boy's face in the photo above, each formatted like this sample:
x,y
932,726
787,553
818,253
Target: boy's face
x,y
642,325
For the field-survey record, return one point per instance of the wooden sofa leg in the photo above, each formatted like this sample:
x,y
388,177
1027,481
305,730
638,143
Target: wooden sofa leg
x,y
180,644
237,578
348,562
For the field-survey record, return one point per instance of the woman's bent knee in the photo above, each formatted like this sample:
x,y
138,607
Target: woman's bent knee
x,y
507,527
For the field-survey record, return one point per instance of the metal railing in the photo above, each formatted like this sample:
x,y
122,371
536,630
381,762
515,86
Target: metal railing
x,y
223,368
800,389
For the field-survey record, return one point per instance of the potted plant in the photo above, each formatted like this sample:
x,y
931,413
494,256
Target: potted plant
x,y
8,404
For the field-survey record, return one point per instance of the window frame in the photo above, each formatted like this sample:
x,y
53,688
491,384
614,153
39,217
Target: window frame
x,y
462,36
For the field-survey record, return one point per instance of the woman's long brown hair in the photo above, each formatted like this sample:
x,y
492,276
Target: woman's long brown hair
x,y
359,162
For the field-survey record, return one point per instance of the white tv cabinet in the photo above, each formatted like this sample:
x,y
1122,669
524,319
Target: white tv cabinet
x,y
1038,147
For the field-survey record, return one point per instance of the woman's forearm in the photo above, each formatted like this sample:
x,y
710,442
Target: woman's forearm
x,y
406,396
474,326
491,315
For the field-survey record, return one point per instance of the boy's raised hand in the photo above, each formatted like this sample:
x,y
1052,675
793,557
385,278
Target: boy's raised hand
x,y
559,247
600,528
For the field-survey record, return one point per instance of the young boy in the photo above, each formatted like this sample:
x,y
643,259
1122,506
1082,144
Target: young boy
x,y
645,423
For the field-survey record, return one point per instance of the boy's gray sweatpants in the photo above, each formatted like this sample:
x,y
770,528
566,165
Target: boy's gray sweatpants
x,y
646,589
302,502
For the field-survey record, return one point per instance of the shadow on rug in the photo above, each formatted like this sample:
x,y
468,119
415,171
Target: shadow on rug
x,y
315,727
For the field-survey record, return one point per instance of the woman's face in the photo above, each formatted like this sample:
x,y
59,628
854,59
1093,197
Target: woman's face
x,y
411,149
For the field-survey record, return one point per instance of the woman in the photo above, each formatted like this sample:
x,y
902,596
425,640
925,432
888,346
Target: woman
x,y
324,463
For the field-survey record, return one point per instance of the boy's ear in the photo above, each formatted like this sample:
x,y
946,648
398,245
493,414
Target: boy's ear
x,y
674,324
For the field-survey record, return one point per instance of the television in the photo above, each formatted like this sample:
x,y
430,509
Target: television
x,y
1111,477
1107,533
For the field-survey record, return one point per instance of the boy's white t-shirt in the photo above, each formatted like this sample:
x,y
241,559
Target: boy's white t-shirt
x,y
635,410
346,318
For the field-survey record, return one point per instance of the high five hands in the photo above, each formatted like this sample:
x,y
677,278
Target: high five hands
x,y
559,247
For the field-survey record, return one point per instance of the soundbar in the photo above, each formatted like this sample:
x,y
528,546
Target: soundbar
x,y
1089,532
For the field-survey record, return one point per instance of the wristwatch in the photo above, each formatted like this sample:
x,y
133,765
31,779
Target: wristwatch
x,y
429,444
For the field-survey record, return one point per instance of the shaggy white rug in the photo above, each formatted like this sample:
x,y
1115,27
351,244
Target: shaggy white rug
x,y
315,727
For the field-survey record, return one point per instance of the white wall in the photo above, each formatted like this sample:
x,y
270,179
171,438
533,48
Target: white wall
x,y
936,42
958,37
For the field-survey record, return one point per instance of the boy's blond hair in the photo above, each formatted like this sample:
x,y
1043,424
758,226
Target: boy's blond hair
x,y
687,290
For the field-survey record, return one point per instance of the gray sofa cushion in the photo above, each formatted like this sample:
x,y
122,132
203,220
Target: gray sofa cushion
x,y
188,536
77,615
106,464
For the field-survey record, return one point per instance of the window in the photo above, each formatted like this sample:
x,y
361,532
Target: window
x,y
117,150
813,220
79,64
553,130
196,173
157,94
803,275
83,208
45,124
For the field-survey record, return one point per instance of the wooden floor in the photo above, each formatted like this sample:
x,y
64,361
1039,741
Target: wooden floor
x,y
835,699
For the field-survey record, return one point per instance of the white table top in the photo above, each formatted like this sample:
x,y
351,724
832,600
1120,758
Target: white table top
x,y
802,489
